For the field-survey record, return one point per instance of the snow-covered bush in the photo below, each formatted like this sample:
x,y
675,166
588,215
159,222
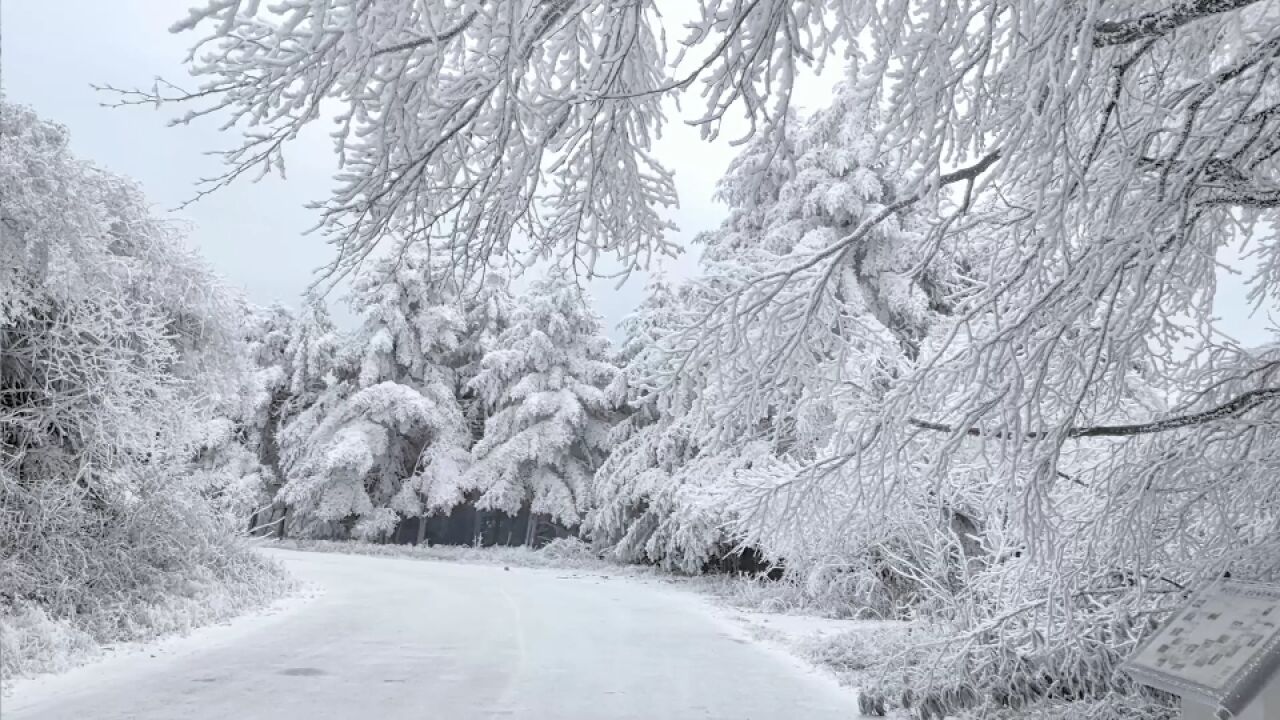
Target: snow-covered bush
x,y
115,341
569,550
565,553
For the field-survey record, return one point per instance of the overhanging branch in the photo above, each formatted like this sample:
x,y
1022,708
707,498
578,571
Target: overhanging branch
x,y
1161,22
1237,406
445,36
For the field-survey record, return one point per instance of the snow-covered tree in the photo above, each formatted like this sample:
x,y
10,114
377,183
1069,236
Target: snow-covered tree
x,y
805,329
545,388
657,496
284,362
387,439
1068,368
449,127
487,304
109,321
309,356
116,342
242,441
641,355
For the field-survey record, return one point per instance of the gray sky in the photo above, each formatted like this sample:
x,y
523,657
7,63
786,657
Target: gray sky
x,y
252,233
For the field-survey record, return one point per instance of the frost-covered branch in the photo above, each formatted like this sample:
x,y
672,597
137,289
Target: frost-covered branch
x,y
1161,22
1233,408
445,36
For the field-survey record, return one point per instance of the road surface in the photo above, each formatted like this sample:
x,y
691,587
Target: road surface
x,y
395,639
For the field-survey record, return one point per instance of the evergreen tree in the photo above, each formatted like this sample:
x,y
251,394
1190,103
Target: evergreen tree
x,y
387,438
285,360
545,389
487,305
653,501
236,460
309,355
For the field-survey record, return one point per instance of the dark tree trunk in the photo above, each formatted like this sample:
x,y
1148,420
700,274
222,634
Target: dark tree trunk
x,y
531,530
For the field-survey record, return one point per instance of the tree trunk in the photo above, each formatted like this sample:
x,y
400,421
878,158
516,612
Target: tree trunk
x,y
422,530
531,530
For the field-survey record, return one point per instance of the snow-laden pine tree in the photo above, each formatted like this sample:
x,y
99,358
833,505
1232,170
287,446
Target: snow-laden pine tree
x,y
545,388
746,378
661,495
820,297
237,461
387,438
635,391
285,362
309,356
487,304
644,448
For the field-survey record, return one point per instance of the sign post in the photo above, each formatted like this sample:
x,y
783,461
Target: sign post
x,y
1220,654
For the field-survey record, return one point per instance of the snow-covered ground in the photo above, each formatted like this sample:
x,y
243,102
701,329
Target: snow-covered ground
x,y
388,637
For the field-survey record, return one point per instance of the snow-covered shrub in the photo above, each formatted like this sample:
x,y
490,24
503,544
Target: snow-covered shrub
x,y
567,553
115,342
569,550
865,649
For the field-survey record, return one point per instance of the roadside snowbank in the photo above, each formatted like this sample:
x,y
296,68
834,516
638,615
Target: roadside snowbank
x,y
568,554
34,640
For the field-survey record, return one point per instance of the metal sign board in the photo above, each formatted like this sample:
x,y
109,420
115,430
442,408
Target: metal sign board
x,y
1221,649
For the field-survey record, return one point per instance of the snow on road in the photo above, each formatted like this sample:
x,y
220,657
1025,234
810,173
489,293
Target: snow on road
x,y
395,638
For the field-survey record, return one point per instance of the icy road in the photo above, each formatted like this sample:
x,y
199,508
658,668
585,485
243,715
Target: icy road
x,y
397,639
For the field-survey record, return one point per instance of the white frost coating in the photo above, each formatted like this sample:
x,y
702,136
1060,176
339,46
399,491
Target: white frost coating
x,y
418,87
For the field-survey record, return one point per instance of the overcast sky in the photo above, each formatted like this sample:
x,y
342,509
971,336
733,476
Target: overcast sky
x,y
253,233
